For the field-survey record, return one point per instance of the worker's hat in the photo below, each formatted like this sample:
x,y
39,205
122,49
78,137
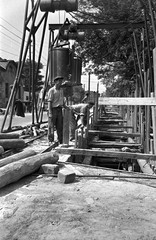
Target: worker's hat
x,y
58,78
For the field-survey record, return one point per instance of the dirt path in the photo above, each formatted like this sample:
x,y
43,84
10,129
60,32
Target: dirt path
x,y
44,209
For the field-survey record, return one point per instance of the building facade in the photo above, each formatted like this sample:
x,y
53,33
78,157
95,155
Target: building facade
x,y
7,76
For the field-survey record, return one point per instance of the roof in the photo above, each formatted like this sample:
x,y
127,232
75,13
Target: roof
x,y
4,63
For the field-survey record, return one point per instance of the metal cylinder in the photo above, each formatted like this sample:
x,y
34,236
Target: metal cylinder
x,y
78,36
54,5
59,63
76,70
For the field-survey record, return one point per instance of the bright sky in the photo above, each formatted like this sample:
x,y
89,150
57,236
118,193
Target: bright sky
x,y
11,27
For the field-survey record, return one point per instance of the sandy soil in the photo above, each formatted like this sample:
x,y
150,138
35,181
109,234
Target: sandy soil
x,y
42,208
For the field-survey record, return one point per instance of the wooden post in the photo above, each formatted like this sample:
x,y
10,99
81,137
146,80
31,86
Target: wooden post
x,y
66,126
148,122
76,138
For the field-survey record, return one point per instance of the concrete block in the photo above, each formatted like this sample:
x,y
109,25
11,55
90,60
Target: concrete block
x,y
66,175
49,169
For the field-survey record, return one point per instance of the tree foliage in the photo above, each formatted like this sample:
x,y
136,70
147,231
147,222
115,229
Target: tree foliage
x,y
110,51
27,77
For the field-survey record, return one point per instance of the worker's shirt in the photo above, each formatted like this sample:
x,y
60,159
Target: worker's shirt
x,y
55,97
80,109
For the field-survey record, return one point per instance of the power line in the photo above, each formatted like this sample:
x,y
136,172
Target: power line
x,y
9,37
42,57
7,52
11,25
8,46
11,32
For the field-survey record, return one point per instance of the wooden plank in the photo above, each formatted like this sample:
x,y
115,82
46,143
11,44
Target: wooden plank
x,y
101,153
111,121
110,117
111,144
113,134
106,126
127,101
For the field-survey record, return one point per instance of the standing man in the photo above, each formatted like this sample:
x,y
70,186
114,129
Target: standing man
x,y
55,104
78,112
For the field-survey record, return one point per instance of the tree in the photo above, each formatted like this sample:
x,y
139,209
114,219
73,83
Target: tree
x,y
28,77
110,51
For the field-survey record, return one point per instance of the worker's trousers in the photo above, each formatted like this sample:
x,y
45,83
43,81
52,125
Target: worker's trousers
x,y
57,122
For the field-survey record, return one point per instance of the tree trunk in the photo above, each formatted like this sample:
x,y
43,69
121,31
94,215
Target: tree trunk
x,y
16,157
15,171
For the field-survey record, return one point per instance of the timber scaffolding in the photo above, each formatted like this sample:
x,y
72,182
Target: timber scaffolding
x,y
120,138
138,111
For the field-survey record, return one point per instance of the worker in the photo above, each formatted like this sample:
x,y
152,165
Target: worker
x,y
55,104
78,114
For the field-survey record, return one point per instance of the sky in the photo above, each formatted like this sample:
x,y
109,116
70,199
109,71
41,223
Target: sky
x,y
11,28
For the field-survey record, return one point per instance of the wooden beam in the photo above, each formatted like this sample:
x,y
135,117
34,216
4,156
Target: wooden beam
x,y
111,121
99,25
127,101
113,134
111,144
107,125
101,153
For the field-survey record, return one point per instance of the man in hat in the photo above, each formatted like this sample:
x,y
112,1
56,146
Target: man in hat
x,y
78,113
55,104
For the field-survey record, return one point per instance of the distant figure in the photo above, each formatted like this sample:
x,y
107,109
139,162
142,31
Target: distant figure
x,y
19,108
78,112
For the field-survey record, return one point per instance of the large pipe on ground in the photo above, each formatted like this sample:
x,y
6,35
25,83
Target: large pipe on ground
x,y
12,143
9,135
16,170
16,157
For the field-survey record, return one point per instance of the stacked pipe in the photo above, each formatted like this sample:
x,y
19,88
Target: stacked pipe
x,y
10,141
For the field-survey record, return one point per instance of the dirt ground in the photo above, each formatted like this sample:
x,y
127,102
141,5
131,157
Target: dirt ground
x,y
39,207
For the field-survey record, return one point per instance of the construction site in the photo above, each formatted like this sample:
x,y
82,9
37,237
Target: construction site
x,y
99,185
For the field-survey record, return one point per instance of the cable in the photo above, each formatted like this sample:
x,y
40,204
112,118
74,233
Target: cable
x,y
11,32
9,37
7,52
10,24
8,45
